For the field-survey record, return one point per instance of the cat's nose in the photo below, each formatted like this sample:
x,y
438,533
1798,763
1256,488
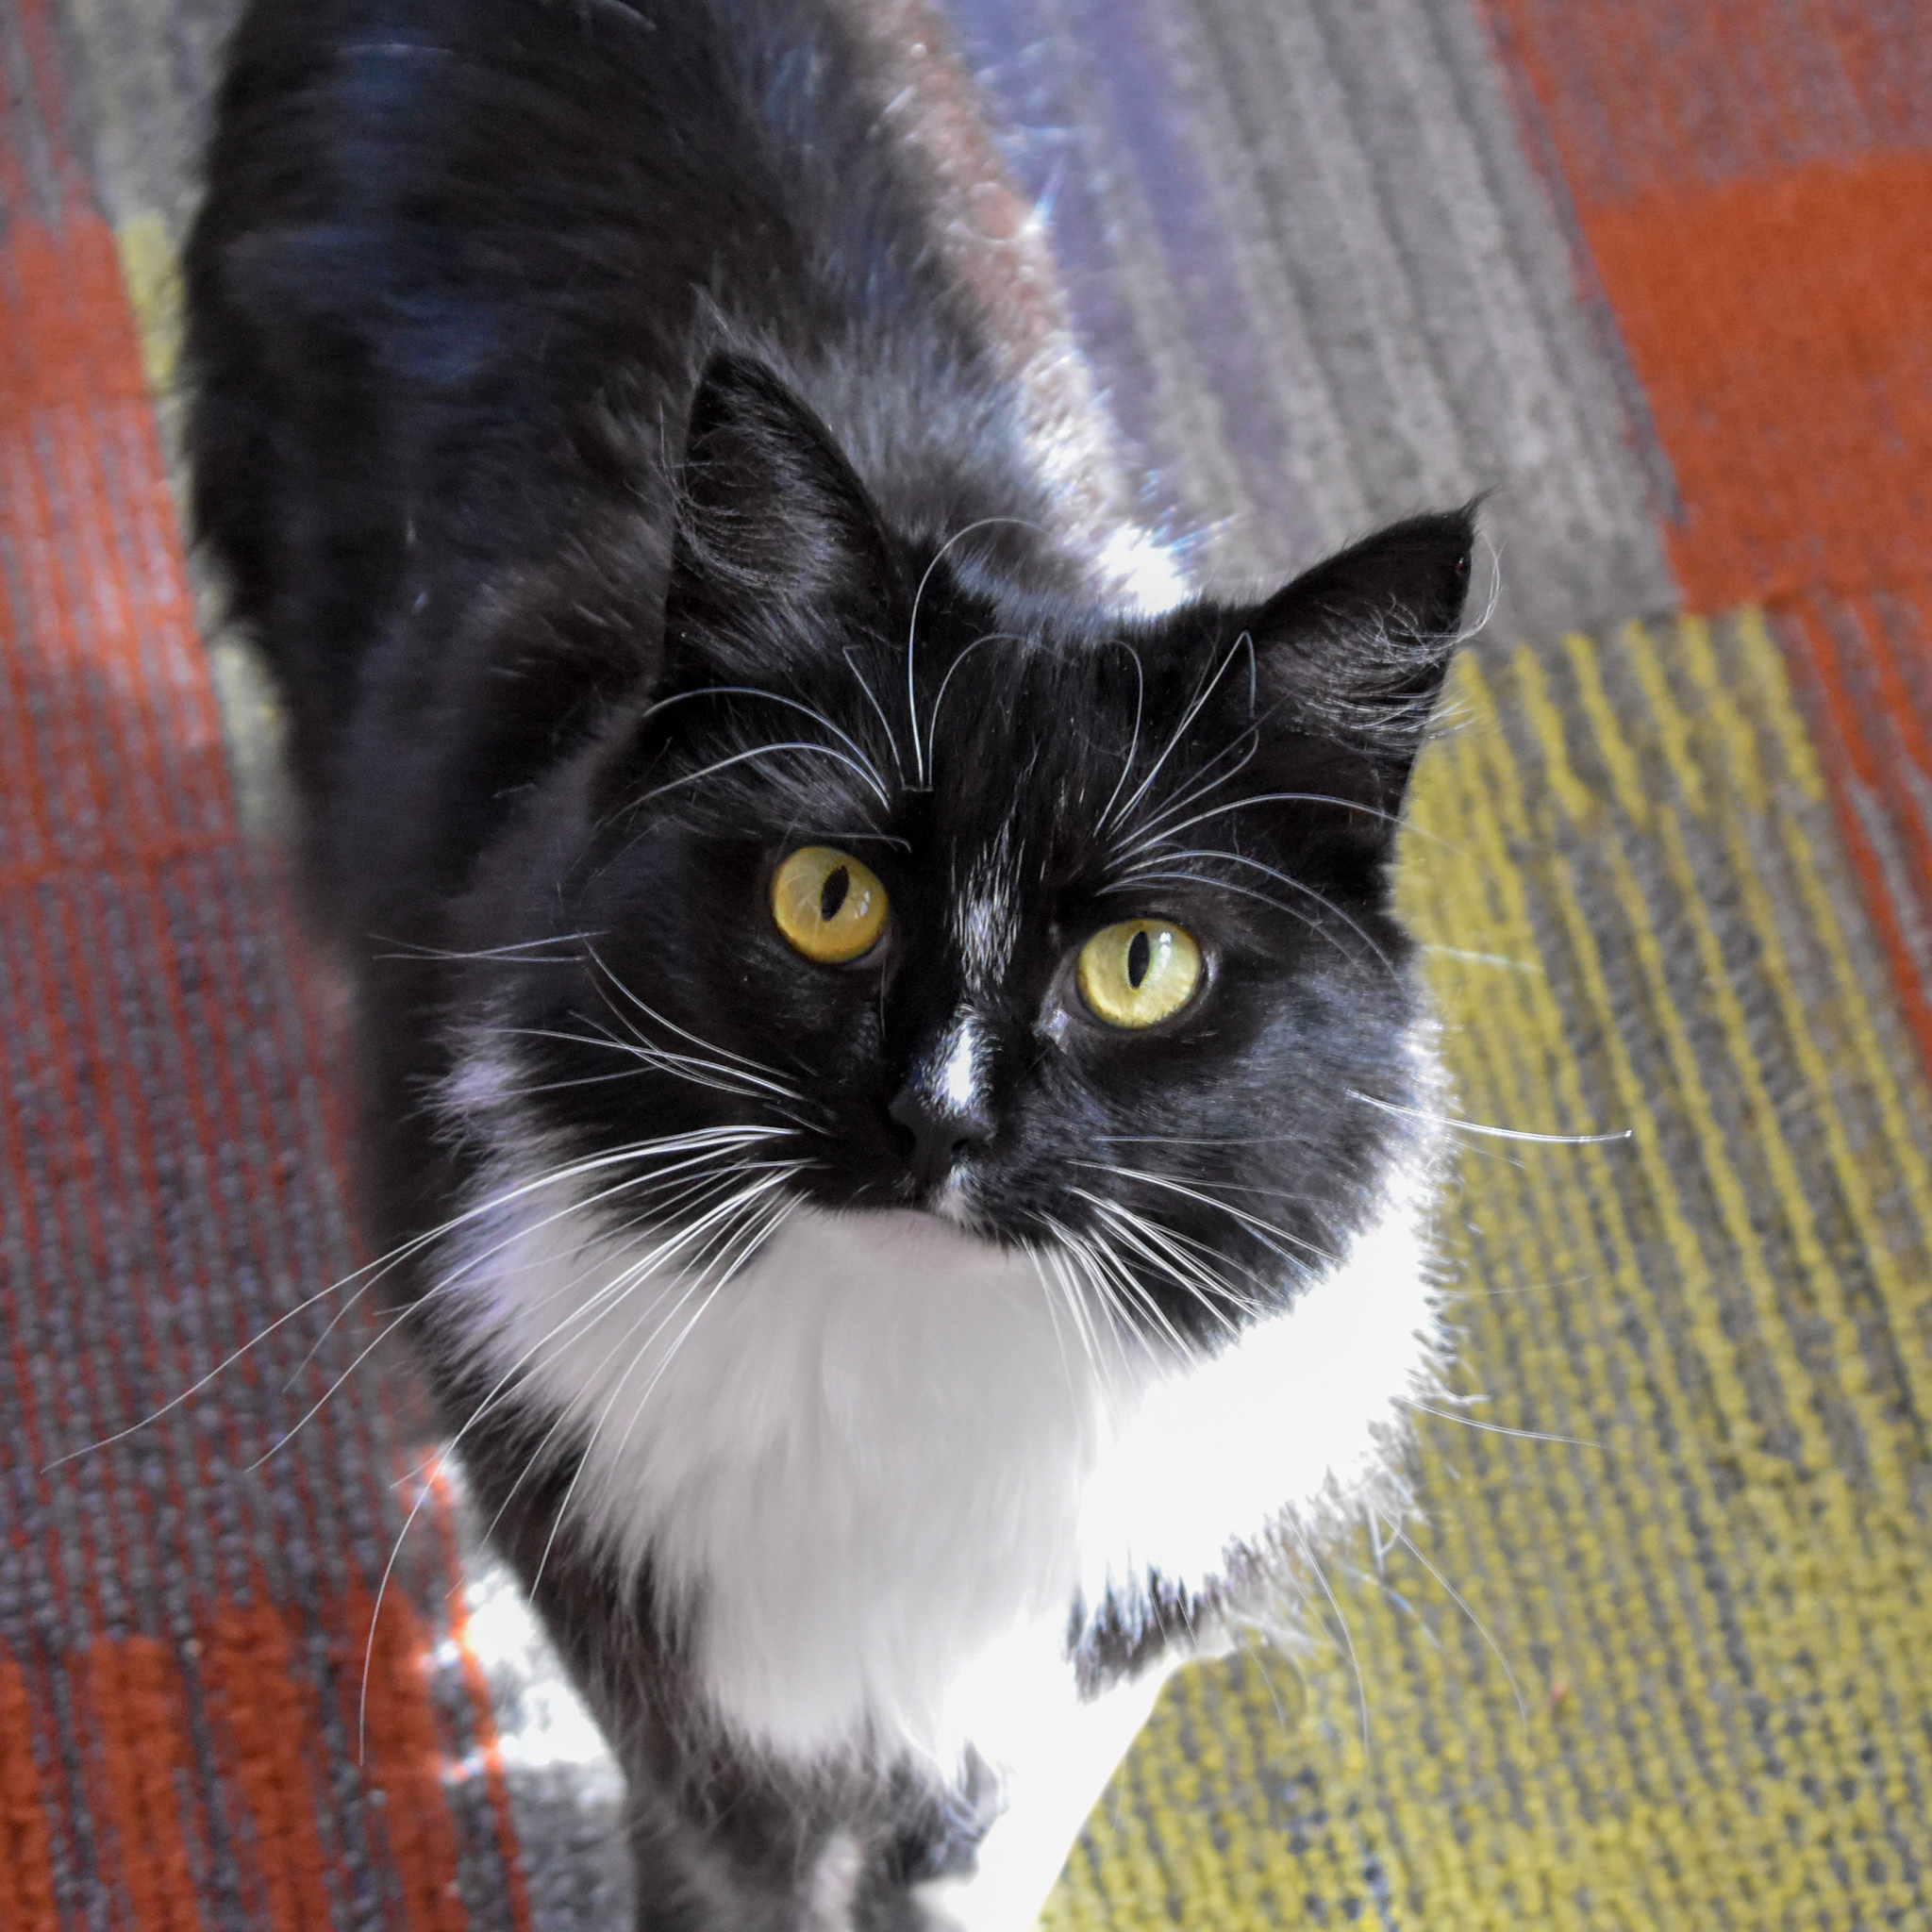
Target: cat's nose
x,y
940,1132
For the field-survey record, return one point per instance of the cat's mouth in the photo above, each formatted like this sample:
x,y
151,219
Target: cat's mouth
x,y
928,1235
951,1202
946,1211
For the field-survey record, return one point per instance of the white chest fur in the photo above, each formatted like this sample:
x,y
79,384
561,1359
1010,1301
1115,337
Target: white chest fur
x,y
879,1460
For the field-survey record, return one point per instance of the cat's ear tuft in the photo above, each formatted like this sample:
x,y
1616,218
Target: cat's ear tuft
x,y
1354,651
774,533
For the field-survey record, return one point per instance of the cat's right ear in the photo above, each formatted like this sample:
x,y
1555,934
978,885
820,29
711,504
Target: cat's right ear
x,y
1352,654
775,544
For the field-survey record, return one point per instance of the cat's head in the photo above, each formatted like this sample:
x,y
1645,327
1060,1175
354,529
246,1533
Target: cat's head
x,y
905,889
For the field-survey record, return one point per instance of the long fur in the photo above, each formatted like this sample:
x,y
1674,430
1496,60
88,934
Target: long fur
x,y
878,1374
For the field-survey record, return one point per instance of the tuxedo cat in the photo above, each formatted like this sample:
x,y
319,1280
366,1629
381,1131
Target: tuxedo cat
x,y
894,1088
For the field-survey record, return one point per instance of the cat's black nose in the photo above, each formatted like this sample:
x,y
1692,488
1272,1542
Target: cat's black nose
x,y
939,1132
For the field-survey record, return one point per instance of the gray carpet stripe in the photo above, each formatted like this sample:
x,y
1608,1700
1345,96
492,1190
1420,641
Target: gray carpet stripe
x,y
1405,298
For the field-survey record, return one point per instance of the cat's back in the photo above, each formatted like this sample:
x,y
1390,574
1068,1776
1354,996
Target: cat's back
x,y
460,261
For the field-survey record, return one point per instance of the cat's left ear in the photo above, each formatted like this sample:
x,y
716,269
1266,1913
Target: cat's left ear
x,y
776,538
1353,654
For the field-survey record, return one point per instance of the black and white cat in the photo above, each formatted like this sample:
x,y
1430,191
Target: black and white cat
x,y
895,1084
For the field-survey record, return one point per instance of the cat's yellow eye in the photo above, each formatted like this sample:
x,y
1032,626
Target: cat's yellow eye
x,y
1137,971
828,905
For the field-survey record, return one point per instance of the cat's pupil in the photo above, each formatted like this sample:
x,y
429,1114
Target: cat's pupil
x,y
832,894
1139,955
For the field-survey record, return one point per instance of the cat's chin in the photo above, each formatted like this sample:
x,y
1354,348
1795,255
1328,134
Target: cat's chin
x,y
948,1225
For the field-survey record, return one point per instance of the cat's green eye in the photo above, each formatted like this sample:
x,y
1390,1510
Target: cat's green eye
x,y
831,908
1137,971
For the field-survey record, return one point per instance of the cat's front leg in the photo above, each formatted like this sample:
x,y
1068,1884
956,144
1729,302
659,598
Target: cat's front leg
x,y
1054,1752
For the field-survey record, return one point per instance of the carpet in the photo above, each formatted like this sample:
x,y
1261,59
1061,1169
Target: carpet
x,y
1652,1652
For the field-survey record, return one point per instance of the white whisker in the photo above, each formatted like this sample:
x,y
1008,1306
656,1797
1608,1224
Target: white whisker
x,y
1251,1221
817,717
912,627
1187,717
872,698
1362,1689
932,722
765,751
1446,1119
1470,1421
1481,1628
1202,785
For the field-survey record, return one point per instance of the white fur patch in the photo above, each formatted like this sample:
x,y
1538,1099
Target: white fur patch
x,y
878,1458
856,1466
985,926
959,1067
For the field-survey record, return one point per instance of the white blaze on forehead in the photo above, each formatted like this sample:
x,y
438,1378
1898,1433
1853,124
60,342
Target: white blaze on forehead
x,y
959,1069
985,919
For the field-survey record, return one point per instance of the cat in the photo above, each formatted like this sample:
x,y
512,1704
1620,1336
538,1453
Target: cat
x,y
895,1097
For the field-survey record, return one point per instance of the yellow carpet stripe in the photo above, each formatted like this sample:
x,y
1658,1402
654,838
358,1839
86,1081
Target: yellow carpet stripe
x,y
1677,1223
1727,1186
1552,1465
1767,680
1545,711
1676,734
1626,781
1622,1694
1820,1278
1848,1170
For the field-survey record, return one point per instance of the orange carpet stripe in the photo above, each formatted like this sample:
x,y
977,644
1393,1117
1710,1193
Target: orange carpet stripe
x,y
1883,739
1782,330
27,1902
141,1745
271,1744
53,323
1634,96
1844,752
488,1742
1901,668
114,776
402,1762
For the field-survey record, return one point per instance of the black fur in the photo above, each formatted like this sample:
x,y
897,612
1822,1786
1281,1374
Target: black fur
x,y
581,409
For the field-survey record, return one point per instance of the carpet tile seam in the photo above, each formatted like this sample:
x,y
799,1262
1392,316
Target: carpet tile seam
x,y
1890,716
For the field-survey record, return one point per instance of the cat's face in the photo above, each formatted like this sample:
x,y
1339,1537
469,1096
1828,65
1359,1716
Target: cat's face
x,y
1071,929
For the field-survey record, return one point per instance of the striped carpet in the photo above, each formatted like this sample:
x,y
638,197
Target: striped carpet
x,y
1654,1653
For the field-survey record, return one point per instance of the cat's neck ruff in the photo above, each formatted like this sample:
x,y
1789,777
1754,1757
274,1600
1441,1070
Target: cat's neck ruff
x,y
884,1451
